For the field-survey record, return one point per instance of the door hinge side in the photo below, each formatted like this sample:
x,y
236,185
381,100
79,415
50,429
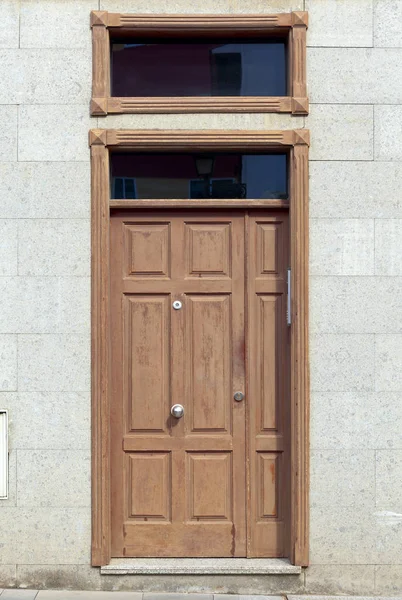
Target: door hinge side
x,y
288,299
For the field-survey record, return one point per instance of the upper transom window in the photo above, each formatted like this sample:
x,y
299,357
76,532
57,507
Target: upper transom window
x,y
199,63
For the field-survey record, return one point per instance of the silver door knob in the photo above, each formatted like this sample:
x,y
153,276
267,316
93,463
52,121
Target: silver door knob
x,y
238,396
177,411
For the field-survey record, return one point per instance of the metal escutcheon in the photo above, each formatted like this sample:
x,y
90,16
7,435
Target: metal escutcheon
x,y
238,396
177,305
177,411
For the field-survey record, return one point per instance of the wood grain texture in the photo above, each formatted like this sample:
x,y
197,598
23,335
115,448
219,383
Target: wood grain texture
x,y
203,139
268,371
299,369
177,486
100,355
289,25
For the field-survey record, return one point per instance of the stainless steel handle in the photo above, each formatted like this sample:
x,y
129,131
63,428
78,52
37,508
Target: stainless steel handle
x,y
177,411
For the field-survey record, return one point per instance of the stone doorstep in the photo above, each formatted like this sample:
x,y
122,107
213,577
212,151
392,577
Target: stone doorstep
x,y
200,566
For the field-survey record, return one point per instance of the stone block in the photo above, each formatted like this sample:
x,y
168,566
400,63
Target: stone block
x,y
19,594
357,580
342,132
355,189
351,483
356,304
58,247
8,363
388,363
356,420
54,133
9,24
54,478
388,132
342,535
45,305
170,596
54,363
88,578
45,190
55,24
8,133
45,77
194,121
207,584
346,23
387,23
356,76
388,247
66,414
388,579
341,247
207,7
388,537
389,481
342,362
8,575
85,595
8,247
167,6
45,535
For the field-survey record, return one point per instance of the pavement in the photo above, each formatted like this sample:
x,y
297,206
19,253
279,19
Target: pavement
x,y
19,594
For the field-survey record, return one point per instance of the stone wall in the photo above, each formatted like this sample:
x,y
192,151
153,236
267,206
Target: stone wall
x,y
355,87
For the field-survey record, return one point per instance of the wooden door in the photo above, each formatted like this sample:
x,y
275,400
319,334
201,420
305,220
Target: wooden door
x,y
178,485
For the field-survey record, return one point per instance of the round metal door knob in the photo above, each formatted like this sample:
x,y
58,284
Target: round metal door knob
x,y
238,396
177,305
177,411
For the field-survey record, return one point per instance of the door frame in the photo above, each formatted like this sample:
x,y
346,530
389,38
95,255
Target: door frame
x,y
296,142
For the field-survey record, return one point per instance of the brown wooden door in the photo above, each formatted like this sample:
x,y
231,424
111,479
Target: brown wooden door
x,y
178,485
187,487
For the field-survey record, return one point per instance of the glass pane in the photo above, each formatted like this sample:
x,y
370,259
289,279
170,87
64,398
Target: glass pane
x,y
200,68
220,175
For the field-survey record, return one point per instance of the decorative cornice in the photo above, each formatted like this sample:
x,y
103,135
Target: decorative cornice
x,y
214,104
171,139
300,18
97,137
177,23
99,17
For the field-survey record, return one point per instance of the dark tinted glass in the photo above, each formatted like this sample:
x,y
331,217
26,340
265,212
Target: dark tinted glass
x,y
199,176
200,68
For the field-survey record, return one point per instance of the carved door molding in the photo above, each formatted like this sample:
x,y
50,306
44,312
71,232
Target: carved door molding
x,y
296,142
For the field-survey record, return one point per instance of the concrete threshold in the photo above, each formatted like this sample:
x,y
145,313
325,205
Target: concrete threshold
x,y
200,566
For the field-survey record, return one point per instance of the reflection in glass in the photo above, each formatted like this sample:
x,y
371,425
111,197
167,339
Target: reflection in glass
x,y
200,68
218,175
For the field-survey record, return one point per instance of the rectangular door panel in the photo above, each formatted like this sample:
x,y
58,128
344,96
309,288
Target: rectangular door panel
x,y
149,486
209,477
208,362
147,345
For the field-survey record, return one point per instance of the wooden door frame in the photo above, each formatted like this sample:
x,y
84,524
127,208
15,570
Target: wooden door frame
x,y
296,142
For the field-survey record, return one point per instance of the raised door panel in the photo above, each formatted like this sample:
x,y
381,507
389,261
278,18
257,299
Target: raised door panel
x,y
147,362
208,249
210,491
147,249
149,486
208,362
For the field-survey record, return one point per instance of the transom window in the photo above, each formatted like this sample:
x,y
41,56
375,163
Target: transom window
x,y
197,176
